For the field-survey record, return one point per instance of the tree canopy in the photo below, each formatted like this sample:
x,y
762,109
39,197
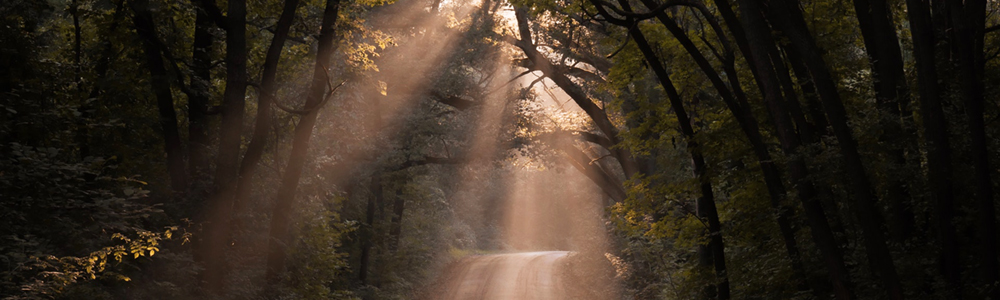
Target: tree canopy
x,y
354,149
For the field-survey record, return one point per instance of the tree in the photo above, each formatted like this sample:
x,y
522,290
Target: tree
x,y
320,90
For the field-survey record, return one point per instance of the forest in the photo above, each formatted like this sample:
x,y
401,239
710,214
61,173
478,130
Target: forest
x,y
365,149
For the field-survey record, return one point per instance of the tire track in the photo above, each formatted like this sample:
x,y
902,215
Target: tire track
x,y
512,276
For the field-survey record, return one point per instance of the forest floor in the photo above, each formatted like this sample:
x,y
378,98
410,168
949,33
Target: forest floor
x,y
522,276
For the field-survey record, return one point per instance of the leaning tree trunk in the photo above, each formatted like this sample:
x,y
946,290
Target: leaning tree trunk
x,y
541,63
765,56
715,253
265,110
892,97
280,237
160,82
787,17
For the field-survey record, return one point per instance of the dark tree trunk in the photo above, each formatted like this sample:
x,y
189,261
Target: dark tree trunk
x,y
935,128
810,97
892,97
198,101
396,230
765,56
81,136
706,208
970,23
217,239
369,231
280,236
787,17
100,72
608,183
713,253
265,109
233,103
806,130
160,82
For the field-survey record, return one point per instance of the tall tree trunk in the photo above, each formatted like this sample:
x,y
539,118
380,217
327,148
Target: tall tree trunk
x,y
765,56
935,127
265,109
280,237
100,72
396,230
787,17
969,19
892,97
233,102
81,135
160,83
230,140
369,233
201,58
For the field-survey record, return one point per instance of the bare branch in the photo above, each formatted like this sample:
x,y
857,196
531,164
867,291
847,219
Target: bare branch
x,y
308,110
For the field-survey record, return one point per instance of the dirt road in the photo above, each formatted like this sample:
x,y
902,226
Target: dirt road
x,y
513,276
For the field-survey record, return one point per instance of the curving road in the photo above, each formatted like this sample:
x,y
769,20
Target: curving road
x,y
513,276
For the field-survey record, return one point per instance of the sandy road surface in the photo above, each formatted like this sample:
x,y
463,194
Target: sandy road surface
x,y
513,276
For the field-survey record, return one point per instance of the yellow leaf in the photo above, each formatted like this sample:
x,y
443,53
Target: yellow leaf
x,y
382,87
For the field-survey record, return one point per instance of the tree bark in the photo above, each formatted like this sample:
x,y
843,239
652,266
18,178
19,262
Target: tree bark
x,y
396,229
892,97
233,103
160,83
265,109
935,127
608,183
714,253
280,237
787,17
369,233
819,125
100,71
763,50
969,19
230,139
198,102
81,134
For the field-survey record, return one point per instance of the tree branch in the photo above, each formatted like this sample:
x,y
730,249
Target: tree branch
x,y
307,110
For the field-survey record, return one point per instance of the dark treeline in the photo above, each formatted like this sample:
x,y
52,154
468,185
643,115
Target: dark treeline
x,y
801,149
754,149
246,149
